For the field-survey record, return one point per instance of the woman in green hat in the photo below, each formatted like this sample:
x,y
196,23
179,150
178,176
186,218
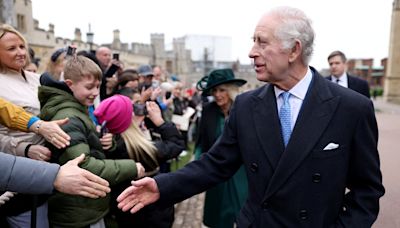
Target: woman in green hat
x,y
223,202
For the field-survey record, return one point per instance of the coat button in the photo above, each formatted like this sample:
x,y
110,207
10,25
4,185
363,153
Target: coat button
x,y
303,214
316,178
254,167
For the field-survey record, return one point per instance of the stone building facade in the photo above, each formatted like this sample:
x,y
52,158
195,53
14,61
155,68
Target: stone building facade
x,y
18,13
176,61
364,68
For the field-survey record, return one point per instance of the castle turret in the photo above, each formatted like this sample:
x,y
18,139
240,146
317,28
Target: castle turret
x,y
116,44
392,81
51,27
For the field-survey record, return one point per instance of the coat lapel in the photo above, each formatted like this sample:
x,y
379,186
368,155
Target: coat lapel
x,y
350,82
267,125
317,110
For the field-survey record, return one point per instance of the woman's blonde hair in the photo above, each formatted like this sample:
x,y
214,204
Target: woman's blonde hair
x,y
232,89
51,65
5,28
139,148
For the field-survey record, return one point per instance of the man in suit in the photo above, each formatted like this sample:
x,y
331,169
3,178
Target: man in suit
x,y
337,65
310,162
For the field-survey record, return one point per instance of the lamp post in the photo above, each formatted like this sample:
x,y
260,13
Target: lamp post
x,y
89,39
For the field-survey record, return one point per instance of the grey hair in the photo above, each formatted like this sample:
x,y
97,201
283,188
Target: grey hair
x,y
294,24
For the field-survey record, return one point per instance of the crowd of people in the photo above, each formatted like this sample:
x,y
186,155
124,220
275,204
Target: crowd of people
x,y
288,154
117,123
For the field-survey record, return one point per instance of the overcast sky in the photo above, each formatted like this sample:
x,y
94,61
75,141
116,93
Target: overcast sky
x,y
359,28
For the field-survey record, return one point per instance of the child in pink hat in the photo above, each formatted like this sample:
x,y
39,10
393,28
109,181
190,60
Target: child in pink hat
x,y
132,143
117,111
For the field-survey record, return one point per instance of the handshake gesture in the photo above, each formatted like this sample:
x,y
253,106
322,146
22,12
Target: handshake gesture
x,y
142,193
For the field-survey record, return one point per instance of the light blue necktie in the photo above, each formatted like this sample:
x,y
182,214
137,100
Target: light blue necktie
x,y
285,117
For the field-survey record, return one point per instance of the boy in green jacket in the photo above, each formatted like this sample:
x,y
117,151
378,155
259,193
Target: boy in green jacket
x,y
71,99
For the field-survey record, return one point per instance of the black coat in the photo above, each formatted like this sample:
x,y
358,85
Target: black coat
x,y
207,126
303,185
357,84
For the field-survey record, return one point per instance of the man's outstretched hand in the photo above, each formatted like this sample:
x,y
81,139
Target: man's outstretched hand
x,y
73,180
142,192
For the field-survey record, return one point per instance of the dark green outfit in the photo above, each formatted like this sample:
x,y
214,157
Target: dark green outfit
x,y
76,211
222,202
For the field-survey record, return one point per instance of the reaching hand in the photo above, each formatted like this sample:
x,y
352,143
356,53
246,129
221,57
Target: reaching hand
x,y
145,94
76,181
52,132
106,141
142,192
39,152
155,93
6,197
154,113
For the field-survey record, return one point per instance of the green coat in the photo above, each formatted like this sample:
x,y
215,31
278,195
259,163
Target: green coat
x,y
76,211
224,201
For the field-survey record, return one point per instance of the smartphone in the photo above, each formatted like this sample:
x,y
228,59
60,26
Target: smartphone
x,y
103,129
116,56
139,109
111,71
168,94
71,51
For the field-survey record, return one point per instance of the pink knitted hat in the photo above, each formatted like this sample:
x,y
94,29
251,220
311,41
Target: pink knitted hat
x,y
117,111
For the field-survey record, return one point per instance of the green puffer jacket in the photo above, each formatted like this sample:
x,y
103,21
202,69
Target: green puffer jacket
x,y
75,211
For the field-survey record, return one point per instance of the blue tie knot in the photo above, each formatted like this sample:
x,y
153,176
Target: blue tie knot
x,y
285,96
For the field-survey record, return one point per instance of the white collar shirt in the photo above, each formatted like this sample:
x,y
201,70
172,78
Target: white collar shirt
x,y
342,80
298,93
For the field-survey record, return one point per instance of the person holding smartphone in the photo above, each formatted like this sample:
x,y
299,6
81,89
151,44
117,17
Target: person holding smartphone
x,y
109,65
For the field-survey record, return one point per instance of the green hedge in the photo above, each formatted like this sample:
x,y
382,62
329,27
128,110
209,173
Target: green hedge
x,y
378,92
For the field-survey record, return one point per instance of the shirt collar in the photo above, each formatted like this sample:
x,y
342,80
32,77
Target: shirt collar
x,y
342,78
300,89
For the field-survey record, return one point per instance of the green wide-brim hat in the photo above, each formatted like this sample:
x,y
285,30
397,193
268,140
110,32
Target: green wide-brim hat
x,y
216,78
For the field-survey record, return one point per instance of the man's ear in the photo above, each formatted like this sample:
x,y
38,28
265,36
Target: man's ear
x,y
68,82
295,51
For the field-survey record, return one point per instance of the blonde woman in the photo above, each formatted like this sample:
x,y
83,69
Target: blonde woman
x,y
165,143
55,66
20,87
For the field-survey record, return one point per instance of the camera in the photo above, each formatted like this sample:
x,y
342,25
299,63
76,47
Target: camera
x,y
116,56
139,109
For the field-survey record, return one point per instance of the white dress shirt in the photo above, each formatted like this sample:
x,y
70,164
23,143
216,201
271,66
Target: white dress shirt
x,y
298,93
342,80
